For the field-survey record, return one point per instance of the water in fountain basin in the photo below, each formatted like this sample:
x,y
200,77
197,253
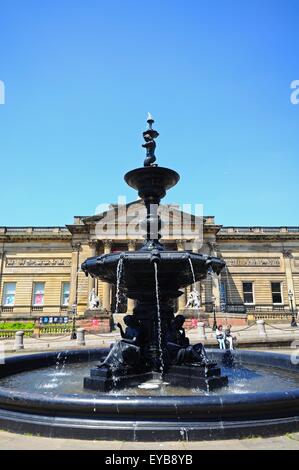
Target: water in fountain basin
x,y
246,378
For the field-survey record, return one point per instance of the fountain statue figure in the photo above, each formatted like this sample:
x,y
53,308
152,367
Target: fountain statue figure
x,y
93,300
193,301
127,351
150,145
178,345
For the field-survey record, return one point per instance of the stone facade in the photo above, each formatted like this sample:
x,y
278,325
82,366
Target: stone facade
x,y
40,267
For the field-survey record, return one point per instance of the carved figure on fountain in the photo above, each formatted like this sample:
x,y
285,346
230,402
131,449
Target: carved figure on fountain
x,y
93,300
150,145
127,351
179,347
193,301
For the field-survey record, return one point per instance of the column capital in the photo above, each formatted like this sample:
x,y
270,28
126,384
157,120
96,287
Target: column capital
x,y
76,246
107,243
213,246
287,254
180,244
131,245
93,243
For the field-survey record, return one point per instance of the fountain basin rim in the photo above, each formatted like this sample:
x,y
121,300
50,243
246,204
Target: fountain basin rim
x,y
135,178
200,405
141,256
168,258
144,418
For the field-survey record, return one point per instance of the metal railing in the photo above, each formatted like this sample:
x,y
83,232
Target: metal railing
x,y
38,331
10,334
61,309
260,308
10,230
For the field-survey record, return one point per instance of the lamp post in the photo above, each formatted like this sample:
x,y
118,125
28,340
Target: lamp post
x,y
74,331
75,304
214,312
293,322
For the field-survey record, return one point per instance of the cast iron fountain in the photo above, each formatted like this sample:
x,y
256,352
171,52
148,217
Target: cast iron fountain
x,y
153,277
44,394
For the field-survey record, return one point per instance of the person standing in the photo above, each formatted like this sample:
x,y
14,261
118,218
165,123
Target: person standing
x,y
229,339
220,336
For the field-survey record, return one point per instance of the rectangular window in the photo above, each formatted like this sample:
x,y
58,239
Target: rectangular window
x,y
248,293
38,293
9,294
65,293
276,292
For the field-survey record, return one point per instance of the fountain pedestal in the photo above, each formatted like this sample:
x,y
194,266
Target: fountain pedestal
x,y
103,380
206,378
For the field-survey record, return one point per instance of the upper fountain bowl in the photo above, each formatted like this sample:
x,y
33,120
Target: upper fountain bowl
x,y
138,273
152,182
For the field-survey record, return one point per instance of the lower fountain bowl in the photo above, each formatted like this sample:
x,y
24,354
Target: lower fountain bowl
x,y
148,418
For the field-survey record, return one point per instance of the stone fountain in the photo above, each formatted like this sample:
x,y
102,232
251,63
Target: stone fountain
x,y
43,394
153,277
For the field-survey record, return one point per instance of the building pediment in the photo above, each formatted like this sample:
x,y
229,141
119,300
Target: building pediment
x,y
136,208
125,220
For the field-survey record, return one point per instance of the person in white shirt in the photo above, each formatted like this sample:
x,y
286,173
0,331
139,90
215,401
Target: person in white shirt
x,y
229,338
220,336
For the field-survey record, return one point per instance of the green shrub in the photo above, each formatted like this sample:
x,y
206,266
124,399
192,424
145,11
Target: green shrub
x,y
9,325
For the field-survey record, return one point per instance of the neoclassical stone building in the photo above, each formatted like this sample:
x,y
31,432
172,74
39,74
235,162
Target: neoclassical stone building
x,y
40,268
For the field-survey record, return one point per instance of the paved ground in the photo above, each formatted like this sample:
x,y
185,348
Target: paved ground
x,y
16,442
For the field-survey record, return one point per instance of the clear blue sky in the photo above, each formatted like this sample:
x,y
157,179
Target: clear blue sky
x,y
80,77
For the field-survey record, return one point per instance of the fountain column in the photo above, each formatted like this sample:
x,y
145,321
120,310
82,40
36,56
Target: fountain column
x,y
131,302
287,257
182,298
74,274
106,286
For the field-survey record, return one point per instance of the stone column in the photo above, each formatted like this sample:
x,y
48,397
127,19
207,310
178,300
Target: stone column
x,y
106,286
91,280
131,302
74,274
287,258
182,298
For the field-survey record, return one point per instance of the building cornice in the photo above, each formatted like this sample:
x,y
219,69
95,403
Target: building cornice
x,y
259,233
14,234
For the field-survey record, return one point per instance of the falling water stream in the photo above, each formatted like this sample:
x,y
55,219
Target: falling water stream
x,y
159,321
119,272
192,270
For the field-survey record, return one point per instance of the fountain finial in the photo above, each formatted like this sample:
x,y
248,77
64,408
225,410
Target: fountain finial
x,y
150,120
150,145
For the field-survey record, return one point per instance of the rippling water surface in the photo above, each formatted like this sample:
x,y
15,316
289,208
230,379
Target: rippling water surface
x,y
67,378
